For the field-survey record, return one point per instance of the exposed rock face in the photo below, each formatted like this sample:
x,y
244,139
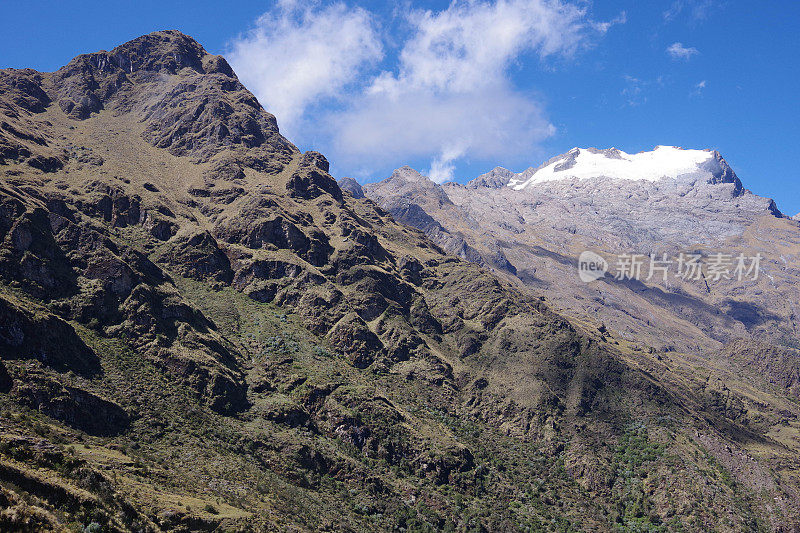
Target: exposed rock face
x,y
352,336
494,179
241,331
198,256
61,257
406,183
399,194
351,186
75,407
315,180
27,334
536,227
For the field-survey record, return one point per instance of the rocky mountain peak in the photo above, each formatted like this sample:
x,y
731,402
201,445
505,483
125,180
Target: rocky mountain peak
x,y
406,173
352,186
190,103
406,183
663,162
87,83
494,179
165,51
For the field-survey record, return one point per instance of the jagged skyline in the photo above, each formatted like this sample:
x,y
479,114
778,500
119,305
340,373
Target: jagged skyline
x,y
647,75
201,330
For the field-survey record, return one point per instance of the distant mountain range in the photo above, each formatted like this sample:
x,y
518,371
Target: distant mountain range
x,y
531,227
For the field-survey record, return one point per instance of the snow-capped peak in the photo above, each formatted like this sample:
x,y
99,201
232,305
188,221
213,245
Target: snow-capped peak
x,y
662,162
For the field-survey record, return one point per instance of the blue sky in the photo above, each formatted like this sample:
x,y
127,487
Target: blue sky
x,y
456,89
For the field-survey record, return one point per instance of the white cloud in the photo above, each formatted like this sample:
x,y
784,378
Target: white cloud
x,y
697,10
451,94
296,56
633,91
488,123
447,95
603,27
471,44
678,51
698,88
443,166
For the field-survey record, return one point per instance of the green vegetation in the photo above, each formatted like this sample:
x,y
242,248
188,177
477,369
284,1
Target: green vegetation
x,y
633,461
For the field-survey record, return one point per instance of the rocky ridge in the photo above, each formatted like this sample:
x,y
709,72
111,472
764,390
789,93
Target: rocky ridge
x,y
494,179
535,235
662,164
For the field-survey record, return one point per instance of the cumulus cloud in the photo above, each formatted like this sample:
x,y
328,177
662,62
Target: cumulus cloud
x,y
678,51
447,94
451,94
489,123
297,55
471,44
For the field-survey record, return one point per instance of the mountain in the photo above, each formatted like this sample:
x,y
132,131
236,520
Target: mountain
x,y
668,201
532,230
201,330
494,179
353,187
663,163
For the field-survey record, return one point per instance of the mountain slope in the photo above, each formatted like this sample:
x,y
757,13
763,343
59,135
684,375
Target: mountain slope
x,y
202,331
535,228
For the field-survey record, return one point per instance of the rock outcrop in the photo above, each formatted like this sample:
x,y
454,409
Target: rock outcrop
x,y
351,186
494,179
39,335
